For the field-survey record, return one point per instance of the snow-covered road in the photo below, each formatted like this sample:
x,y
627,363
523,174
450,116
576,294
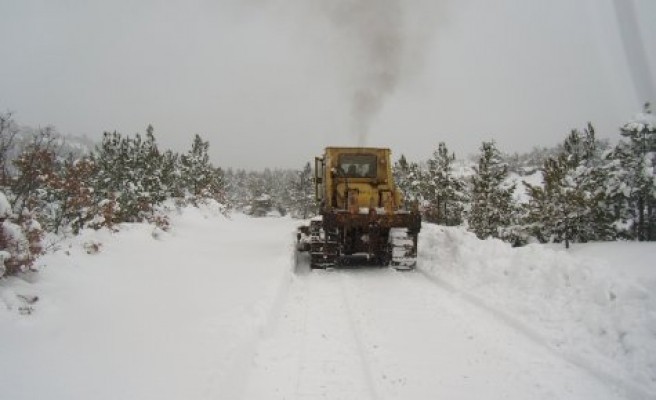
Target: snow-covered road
x,y
383,334
218,309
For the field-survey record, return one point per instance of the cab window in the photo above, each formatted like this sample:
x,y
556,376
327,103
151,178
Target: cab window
x,y
358,165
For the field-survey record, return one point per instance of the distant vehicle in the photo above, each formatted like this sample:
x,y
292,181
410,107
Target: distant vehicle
x,y
264,206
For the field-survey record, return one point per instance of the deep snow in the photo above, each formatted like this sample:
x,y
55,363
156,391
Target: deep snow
x,y
216,309
144,318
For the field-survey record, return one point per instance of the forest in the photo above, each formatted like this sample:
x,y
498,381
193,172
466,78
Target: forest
x,y
587,189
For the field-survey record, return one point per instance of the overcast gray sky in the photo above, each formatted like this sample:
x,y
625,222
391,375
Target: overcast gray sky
x,y
272,82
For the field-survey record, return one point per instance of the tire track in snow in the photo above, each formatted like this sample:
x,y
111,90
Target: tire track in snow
x,y
426,343
365,359
316,350
332,364
233,382
359,334
629,389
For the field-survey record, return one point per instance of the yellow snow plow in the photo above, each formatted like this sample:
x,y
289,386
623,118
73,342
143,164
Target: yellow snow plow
x,y
363,219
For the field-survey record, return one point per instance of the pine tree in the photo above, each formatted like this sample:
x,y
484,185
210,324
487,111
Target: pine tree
x,y
150,162
236,188
572,205
632,185
302,193
129,171
492,209
199,177
444,192
170,170
110,173
407,176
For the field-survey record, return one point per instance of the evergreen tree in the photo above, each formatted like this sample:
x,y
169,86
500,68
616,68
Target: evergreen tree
x,y
407,176
237,190
303,200
129,171
492,209
150,163
110,174
632,185
172,186
256,185
443,192
199,177
572,204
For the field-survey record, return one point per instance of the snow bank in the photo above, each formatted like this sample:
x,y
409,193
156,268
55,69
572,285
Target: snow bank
x,y
582,307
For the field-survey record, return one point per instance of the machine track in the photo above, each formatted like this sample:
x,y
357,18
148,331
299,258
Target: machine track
x,y
318,350
385,334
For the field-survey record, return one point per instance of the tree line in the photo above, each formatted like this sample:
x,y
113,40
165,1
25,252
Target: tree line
x,y
45,188
590,190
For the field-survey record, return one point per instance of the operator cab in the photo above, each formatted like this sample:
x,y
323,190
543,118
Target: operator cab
x,y
358,165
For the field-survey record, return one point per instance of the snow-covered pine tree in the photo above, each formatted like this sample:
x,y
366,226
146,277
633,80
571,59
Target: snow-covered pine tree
x,y
237,189
170,180
151,165
110,175
302,193
128,172
142,191
571,206
199,177
278,183
632,183
492,209
591,176
256,185
231,186
407,176
528,163
444,193
268,182
401,171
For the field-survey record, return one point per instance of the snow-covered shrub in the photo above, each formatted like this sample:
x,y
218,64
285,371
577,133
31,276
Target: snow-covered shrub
x,y
160,218
20,240
104,215
70,196
92,247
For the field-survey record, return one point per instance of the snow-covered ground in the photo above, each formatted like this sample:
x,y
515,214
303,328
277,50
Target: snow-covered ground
x,y
144,318
218,309
585,304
